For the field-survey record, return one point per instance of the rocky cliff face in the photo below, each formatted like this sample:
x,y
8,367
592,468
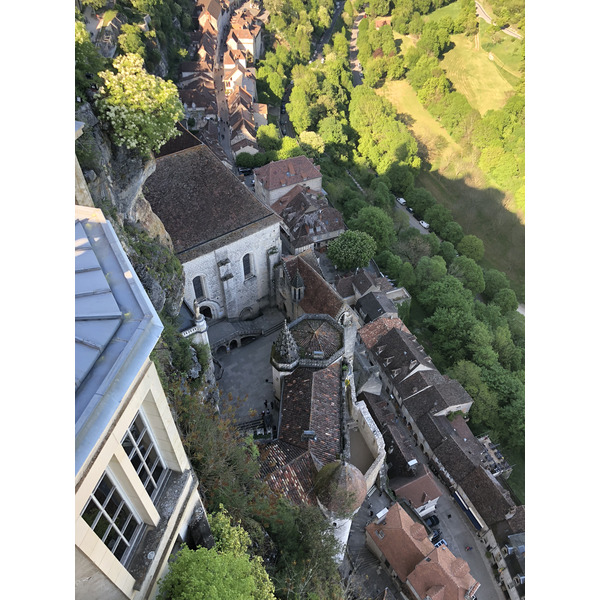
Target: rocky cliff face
x,y
115,177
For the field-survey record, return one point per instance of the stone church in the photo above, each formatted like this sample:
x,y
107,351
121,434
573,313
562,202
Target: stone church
x,y
227,241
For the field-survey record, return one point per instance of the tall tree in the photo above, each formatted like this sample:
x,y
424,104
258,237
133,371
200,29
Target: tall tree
x,y
352,250
142,109
377,224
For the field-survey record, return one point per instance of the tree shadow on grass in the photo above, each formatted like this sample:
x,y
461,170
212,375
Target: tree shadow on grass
x,y
482,212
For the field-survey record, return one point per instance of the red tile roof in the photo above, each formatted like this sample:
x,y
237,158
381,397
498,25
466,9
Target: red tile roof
x,y
286,172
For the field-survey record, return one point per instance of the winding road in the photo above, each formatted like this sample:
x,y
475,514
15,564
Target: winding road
x,y
483,15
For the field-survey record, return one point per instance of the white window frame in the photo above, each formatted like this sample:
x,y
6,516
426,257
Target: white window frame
x,y
113,480
143,464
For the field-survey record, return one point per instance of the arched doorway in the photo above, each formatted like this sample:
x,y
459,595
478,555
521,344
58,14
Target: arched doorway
x,y
233,344
207,312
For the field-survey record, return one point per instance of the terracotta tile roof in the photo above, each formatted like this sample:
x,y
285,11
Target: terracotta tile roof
x,y
403,542
199,201
286,172
418,489
370,333
319,297
442,576
311,401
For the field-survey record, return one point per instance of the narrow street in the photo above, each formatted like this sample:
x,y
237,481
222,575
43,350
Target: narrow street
x,y
221,98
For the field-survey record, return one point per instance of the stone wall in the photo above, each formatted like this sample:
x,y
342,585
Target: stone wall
x,y
227,292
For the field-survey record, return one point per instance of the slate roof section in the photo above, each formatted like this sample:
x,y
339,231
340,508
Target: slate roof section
x,y
199,201
289,171
319,297
455,461
492,502
403,542
185,140
316,335
374,305
516,524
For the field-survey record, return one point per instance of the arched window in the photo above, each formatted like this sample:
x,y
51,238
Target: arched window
x,y
247,262
198,287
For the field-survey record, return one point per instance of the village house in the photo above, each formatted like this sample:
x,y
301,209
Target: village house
x,y
277,178
227,241
136,495
308,220
402,545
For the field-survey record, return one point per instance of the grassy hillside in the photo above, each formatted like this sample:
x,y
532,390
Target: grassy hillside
x,y
475,75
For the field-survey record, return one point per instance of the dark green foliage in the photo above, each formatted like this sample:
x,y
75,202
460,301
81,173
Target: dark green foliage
x,y
377,224
88,61
352,250
494,282
452,232
472,247
447,251
420,200
506,299
438,217
469,273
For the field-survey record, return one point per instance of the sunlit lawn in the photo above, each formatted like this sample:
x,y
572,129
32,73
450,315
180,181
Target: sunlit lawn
x,y
475,75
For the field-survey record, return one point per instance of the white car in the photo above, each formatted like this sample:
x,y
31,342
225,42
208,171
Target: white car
x,y
424,225
401,201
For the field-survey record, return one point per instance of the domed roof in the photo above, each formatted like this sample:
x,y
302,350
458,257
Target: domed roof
x,y
340,487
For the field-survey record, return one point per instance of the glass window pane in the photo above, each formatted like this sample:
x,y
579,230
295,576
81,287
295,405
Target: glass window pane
x,y
128,445
113,504
144,445
130,528
136,428
90,512
121,519
150,487
103,490
158,470
120,549
101,527
151,458
112,539
136,461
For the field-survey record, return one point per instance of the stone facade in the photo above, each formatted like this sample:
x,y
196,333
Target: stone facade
x,y
229,292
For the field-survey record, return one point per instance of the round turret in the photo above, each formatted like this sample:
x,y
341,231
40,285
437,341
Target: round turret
x,y
340,488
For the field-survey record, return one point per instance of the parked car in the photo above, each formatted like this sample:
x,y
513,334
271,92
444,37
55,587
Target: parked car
x,y
401,201
432,521
424,225
440,543
411,210
437,536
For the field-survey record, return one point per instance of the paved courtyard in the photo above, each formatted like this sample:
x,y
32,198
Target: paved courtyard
x,y
248,377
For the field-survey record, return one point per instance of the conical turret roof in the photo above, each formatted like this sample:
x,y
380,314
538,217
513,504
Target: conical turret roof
x,y
285,350
297,280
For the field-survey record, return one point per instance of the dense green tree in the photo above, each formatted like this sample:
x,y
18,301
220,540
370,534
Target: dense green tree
x,y
377,224
425,68
268,138
428,271
131,40
494,282
378,8
88,61
352,250
437,216
141,109
484,411
452,232
419,199
471,247
401,178
480,346
490,314
451,328
506,299
401,15
412,245
434,40
513,420
509,356
447,292
469,273
447,252
312,144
